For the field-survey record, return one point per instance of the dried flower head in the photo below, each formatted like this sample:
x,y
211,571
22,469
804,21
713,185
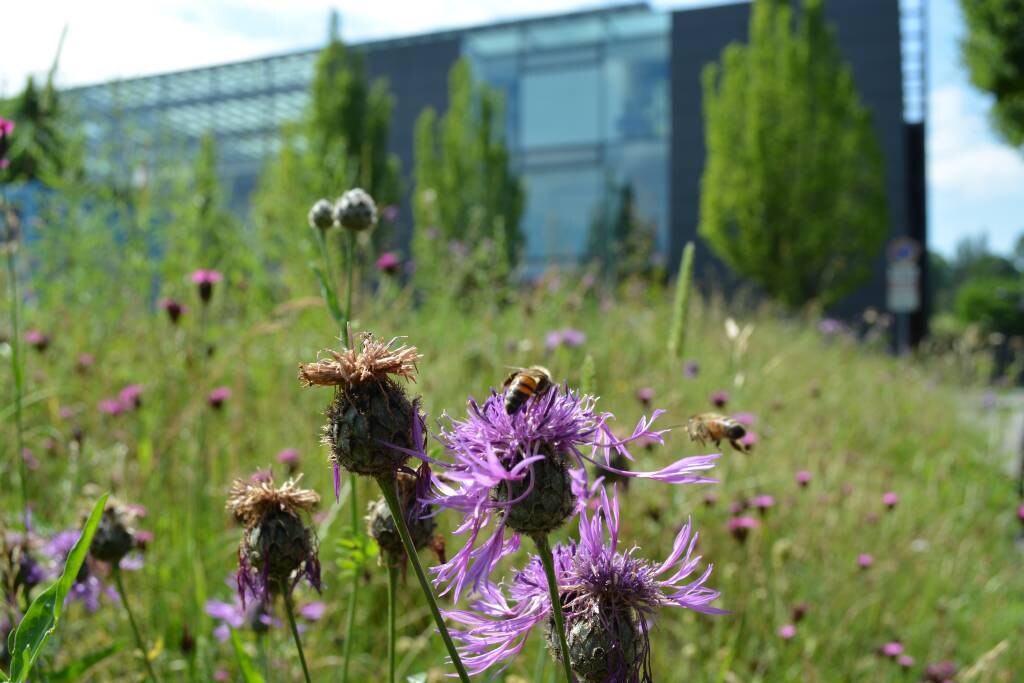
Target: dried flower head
x,y
372,426
609,596
278,547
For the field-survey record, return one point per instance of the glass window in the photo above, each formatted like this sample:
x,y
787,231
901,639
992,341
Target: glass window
x,y
645,166
559,208
561,107
494,43
638,90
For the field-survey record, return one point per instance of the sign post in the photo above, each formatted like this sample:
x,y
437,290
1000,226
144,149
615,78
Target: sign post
x,y
903,286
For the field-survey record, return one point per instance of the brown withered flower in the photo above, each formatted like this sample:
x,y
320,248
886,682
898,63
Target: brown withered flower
x,y
372,426
278,545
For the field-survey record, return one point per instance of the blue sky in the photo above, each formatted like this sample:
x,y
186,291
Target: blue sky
x,y
976,184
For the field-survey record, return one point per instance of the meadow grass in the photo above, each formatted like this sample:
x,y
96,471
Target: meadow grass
x,y
946,578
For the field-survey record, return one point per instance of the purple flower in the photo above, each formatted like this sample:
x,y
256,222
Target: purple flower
x,y
940,672
218,396
313,611
905,661
864,560
388,263
787,631
175,309
204,281
233,615
131,396
1020,514
749,440
289,457
745,419
691,369
568,337
710,499
719,399
6,128
762,503
891,649
30,458
645,395
830,327
504,465
111,406
803,477
389,213
37,340
606,593
740,527
890,499
85,361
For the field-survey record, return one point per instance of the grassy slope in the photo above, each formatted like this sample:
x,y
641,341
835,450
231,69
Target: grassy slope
x,y
946,580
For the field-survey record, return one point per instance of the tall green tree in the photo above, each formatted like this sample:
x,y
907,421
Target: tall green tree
x,y
621,241
793,192
993,50
466,190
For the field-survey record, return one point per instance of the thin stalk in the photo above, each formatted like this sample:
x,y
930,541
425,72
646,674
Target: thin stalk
x,y
387,487
350,625
351,269
289,609
16,370
119,583
546,558
261,644
321,238
392,597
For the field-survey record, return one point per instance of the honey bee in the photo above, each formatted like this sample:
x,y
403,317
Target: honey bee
x,y
714,427
523,383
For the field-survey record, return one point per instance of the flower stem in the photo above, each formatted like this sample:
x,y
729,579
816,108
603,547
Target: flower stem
x,y
119,583
387,487
289,609
392,596
351,269
546,558
16,370
350,625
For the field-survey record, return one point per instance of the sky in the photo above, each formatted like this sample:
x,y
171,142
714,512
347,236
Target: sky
x,y
975,183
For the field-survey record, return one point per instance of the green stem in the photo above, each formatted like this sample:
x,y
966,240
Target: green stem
x,y
135,628
261,643
546,558
295,630
350,625
387,487
392,596
321,238
351,269
16,370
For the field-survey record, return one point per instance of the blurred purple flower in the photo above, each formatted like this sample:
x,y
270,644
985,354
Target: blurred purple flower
x,y
174,309
740,527
37,340
762,503
749,440
389,213
940,672
218,396
691,369
719,399
131,396
803,477
313,611
6,128
710,499
493,452
85,361
745,419
204,281
111,406
1020,514
568,337
289,457
865,560
905,661
891,649
599,585
787,631
645,395
890,499
831,327
30,459
232,615
388,263
220,675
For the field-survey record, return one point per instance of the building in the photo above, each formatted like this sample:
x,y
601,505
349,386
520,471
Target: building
x,y
597,97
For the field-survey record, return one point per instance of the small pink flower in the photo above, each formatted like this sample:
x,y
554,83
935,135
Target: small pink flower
x,y
85,361
691,369
905,661
131,396
218,396
1020,514
740,527
749,440
6,126
787,631
890,499
111,406
205,280
762,503
262,476
389,213
719,399
313,611
710,499
864,560
37,340
745,419
174,309
221,675
388,263
803,477
288,456
892,649
645,395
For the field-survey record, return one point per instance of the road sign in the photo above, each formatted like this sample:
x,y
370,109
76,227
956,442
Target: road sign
x,y
903,276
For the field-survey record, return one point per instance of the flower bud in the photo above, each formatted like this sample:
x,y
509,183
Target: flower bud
x,y
548,505
278,545
356,210
321,215
114,538
380,525
365,421
602,647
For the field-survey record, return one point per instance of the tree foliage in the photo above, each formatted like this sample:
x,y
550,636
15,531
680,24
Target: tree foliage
x,y
621,241
466,192
993,50
793,193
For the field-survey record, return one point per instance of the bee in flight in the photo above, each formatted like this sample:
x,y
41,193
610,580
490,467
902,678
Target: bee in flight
x,y
523,383
714,427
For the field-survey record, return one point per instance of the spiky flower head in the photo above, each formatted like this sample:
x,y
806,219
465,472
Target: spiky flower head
x,y
372,426
321,215
278,547
204,280
527,471
610,598
115,536
380,525
356,210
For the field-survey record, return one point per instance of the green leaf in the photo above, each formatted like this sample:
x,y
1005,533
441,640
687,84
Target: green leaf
x,y
75,670
249,672
327,292
355,553
43,615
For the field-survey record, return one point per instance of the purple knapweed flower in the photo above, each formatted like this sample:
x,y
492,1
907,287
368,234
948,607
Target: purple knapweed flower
x,y
609,598
204,281
37,340
891,649
568,337
865,560
645,395
762,503
6,128
85,361
749,440
691,369
1020,514
890,499
710,499
830,327
514,469
740,527
388,263
111,406
289,457
787,631
719,399
389,213
218,396
745,419
803,477
131,396
233,615
174,309
905,661
799,612
30,458
940,672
